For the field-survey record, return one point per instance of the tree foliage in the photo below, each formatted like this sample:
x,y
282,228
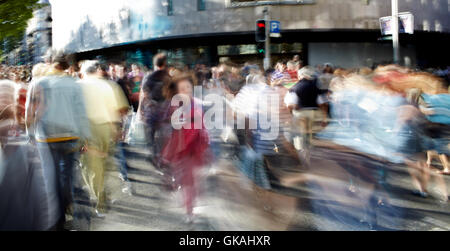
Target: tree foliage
x,y
14,16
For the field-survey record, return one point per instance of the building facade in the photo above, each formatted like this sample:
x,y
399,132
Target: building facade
x,y
39,33
345,32
37,39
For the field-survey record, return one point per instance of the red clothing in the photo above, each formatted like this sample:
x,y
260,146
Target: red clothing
x,y
188,146
186,151
293,74
21,99
388,77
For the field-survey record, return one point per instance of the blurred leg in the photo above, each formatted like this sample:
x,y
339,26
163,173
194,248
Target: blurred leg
x,y
69,158
120,155
430,155
187,183
425,172
50,168
97,156
415,170
311,119
442,186
304,132
444,162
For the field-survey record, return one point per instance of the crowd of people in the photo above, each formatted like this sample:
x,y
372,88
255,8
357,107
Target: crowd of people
x,y
77,121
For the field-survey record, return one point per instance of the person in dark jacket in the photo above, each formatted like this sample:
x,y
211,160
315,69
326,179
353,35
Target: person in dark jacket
x,y
122,80
153,105
307,108
307,89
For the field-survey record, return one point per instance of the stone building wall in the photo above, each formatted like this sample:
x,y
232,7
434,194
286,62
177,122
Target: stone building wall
x,y
87,25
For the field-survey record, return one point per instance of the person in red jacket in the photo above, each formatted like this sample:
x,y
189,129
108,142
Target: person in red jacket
x,y
187,150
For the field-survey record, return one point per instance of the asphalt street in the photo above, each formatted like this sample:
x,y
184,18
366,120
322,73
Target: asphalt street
x,y
306,200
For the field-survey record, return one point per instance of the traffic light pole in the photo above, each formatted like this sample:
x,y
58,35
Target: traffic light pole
x,y
267,59
395,31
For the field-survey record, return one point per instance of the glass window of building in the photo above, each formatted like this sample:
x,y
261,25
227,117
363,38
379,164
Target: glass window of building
x,y
201,5
246,3
169,7
248,49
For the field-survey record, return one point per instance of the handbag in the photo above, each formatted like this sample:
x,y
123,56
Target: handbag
x,y
136,132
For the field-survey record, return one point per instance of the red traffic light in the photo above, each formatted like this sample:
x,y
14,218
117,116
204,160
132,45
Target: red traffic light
x,y
260,30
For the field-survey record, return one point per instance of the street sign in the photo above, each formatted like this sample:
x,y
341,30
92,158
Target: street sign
x,y
406,24
275,27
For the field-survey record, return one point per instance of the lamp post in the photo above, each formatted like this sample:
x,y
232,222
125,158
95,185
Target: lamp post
x,y
395,31
267,59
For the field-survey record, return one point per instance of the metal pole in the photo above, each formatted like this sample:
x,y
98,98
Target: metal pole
x,y
267,62
395,31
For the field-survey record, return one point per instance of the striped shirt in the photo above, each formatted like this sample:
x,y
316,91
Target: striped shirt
x,y
269,117
277,75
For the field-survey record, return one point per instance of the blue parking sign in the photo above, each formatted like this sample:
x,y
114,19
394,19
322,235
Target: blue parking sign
x,y
274,27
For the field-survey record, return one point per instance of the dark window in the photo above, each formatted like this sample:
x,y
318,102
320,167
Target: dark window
x,y
200,5
169,7
246,3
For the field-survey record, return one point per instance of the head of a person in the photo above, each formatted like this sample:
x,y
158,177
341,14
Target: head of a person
x,y
328,69
280,66
340,72
235,71
14,76
91,68
365,71
182,84
7,106
292,66
60,61
112,70
173,72
103,70
135,68
160,61
215,72
306,72
25,75
267,76
120,71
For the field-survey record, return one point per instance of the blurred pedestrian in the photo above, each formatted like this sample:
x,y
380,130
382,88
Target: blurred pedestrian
x,y
106,104
56,115
307,111
153,106
24,203
187,149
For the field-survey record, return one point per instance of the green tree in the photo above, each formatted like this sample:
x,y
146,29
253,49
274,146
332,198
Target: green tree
x,y
14,16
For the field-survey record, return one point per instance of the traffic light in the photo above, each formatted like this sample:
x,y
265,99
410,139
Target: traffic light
x,y
260,30
261,48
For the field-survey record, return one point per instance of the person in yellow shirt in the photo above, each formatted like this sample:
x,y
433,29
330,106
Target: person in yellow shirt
x,y
105,105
